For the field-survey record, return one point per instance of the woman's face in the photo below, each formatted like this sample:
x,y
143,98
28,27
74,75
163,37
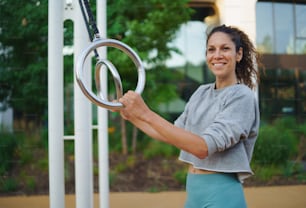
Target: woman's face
x,y
221,56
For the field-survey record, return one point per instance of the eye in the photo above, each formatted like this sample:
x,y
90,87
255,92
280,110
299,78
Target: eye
x,y
211,49
226,48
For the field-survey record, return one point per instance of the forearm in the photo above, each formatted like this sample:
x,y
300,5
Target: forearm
x,y
171,134
147,129
136,111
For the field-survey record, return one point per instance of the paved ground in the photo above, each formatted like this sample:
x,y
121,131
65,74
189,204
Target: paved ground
x,y
261,197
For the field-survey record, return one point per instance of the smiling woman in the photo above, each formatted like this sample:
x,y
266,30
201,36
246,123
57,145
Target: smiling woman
x,y
219,126
230,49
222,58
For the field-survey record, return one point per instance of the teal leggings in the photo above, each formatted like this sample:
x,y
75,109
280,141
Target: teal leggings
x,y
214,191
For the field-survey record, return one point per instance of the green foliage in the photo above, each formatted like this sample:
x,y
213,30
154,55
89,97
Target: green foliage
x,y
30,183
161,89
19,154
129,163
112,177
23,65
301,129
276,143
30,147
148,27
180,176
44,137
155,189
302,177
121,167
43,164
114,131
156,148
8,147
291,168
288,123
277,149
8,185
266,173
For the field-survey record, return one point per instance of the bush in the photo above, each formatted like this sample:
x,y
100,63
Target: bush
x,y
180,176
8,185
276,143
156,148
8,145
266,173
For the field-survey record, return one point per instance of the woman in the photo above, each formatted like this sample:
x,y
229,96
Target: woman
x,y
219,126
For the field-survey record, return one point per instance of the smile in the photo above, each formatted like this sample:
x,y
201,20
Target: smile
x,y
218,64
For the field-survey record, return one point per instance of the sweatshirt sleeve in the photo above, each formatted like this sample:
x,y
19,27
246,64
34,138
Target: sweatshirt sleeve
x,y
181,120
233,123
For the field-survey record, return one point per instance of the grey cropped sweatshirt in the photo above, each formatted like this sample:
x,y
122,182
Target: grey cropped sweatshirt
x,y
228,120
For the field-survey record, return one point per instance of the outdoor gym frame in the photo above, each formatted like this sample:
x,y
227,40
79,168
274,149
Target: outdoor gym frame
x,y
58,12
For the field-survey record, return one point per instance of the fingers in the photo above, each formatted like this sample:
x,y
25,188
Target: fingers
x,y
124,111
124,101
128,98
133,105
123,116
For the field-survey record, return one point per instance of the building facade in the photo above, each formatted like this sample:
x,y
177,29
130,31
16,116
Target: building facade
x,y
277,28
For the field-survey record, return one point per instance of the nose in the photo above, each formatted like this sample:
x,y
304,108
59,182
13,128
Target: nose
x,y
218,53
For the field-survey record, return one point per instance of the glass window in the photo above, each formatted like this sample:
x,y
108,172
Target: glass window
x,y
281,29
190,41
284,31
300,16
264,27
300,46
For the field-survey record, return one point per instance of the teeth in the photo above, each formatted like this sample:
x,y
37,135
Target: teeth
x,y
218,64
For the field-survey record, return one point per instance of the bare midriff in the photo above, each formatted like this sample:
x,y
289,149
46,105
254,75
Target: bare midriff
x,y
199,171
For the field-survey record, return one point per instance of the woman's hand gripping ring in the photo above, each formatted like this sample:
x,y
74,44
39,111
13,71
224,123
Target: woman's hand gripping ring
x,y
99,99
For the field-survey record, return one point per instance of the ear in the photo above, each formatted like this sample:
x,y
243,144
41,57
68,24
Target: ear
x,y
239,54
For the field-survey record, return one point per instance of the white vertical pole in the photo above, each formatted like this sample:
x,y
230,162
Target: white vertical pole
x,y
82,121
103,116
55,105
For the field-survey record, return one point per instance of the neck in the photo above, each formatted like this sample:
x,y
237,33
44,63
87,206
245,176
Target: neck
x,y
225,83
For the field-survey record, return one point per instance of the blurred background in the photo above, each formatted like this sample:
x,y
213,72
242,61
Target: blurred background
x,y
170,38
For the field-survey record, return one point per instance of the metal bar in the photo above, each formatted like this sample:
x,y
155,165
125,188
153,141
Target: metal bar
x,y
103,116
55,103
82,123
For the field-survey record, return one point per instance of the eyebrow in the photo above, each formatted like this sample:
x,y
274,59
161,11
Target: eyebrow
x,y
222,45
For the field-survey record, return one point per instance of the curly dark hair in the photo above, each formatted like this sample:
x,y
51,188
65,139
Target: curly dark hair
x,y
246,70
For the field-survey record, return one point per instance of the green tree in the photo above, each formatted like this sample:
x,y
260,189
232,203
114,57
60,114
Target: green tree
x,y
147,26
23,49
